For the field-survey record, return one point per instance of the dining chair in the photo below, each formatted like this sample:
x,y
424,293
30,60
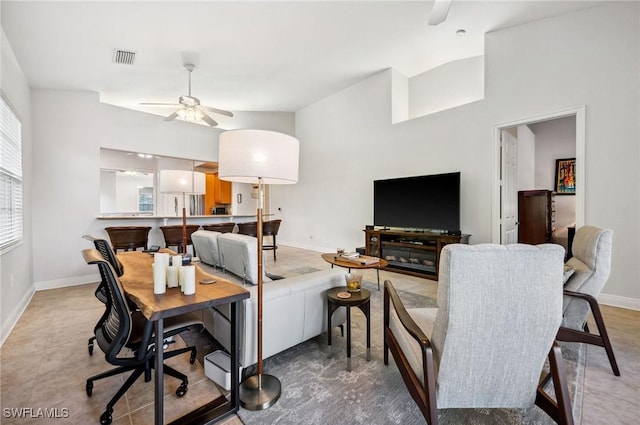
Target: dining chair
x,y
173,236
270,229
128,237
220,227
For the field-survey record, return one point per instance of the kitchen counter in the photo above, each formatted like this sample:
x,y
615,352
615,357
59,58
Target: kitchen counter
x,y
167,217
155,221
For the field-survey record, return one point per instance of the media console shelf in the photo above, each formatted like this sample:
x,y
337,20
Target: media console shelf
x,y
412,253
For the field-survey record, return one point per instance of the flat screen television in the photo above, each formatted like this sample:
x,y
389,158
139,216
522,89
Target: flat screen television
x,y
422,202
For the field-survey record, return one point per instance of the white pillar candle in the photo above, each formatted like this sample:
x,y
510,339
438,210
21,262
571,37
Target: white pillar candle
x,y
159,278
161,257
176,260
189,273
181,278
172,276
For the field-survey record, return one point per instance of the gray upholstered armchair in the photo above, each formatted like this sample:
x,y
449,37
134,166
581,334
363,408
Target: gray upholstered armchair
x,y
500,308
591,263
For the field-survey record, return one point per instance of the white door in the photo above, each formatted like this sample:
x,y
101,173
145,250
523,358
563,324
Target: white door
x,y
509,191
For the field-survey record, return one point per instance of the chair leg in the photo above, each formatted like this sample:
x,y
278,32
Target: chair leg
x,y
111,372
602,330
560,410
602,339
123,389
90,345
275,247
173,353
168,370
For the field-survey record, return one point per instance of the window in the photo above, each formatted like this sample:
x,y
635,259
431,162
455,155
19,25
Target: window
x,y
145,199
10,177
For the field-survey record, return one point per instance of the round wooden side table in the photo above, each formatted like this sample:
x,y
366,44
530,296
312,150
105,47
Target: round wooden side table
x,y
362,300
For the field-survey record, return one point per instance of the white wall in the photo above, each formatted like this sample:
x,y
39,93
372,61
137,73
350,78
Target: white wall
x,y
447,86
347,141
590,58
16,279
67,171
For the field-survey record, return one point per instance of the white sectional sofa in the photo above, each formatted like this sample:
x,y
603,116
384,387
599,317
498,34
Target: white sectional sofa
x,y
294,309
205,243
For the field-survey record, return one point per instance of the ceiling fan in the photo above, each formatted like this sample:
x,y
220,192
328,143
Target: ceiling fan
x,y
439,11
190,107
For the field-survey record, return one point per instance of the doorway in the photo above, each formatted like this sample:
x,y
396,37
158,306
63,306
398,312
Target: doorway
x,y
508,168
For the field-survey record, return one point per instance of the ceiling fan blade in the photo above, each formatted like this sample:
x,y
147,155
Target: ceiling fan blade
x,y
217,111
172,116
439,11
206,118
159,104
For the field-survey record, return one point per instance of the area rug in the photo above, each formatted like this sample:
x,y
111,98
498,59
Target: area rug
x,y
317,388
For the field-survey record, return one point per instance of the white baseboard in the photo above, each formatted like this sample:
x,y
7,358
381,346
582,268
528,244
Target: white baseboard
x,y
15,315
69,281
618,301
307,247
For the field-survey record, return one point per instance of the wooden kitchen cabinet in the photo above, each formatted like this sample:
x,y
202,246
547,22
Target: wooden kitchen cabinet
x,y
222,191
218,192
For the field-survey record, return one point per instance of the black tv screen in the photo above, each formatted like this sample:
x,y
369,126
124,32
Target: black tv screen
x,y
422,202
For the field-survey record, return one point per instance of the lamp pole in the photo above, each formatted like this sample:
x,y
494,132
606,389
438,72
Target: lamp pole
x,y
259,391
265,157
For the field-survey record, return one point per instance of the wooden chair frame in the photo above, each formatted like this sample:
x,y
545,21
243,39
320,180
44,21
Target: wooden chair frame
x,y
425,396
602,340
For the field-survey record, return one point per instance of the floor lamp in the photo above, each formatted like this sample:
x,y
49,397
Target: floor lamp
x,y
258,157
186,183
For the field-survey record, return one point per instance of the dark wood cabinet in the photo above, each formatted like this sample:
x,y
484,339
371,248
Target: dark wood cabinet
x,y
536,216
412,253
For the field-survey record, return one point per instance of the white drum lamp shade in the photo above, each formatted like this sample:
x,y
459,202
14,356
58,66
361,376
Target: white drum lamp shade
x,y
258,157
186,183
245,156
182,182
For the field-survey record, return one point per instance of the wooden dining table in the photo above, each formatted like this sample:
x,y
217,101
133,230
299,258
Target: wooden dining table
x,y
137,282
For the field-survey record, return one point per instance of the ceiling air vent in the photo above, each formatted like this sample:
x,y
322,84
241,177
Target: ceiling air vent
x,y
123,56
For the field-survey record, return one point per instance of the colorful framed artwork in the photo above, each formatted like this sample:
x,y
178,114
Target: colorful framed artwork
x,y
565,176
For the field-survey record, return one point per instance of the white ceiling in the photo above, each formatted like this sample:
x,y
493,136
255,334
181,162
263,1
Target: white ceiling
x,y
249,56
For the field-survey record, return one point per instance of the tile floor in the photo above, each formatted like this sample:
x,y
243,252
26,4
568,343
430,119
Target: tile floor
x,y
44,362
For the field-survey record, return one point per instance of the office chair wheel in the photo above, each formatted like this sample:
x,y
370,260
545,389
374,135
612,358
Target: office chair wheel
x,y
182,390
90,348
89,388
105,418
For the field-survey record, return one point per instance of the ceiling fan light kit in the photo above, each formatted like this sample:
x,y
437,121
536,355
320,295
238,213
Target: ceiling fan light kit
x,y
190,109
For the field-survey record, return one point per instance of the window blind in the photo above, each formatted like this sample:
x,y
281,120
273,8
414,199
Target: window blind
x,y
10,177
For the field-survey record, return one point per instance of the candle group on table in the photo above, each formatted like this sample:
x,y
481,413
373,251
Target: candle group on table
x,y
169,271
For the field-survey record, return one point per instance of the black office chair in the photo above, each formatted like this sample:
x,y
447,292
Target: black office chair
x,y
101,291
123,328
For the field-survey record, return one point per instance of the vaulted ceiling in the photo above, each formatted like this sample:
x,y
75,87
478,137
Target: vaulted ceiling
x,y
249,56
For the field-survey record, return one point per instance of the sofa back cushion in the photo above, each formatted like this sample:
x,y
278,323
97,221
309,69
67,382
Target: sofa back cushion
x,y
205,243
238,254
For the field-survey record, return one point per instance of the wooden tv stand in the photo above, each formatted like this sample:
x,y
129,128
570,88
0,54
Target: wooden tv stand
x,y
413,253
